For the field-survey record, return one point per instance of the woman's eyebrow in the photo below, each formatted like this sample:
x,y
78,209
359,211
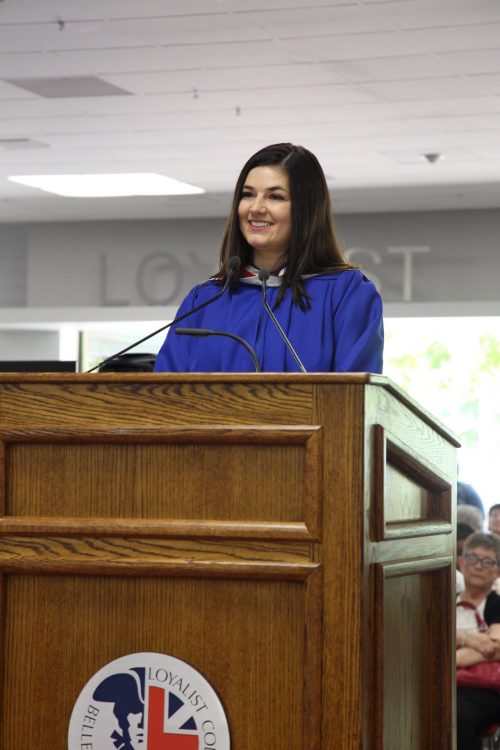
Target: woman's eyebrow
x,y
268,189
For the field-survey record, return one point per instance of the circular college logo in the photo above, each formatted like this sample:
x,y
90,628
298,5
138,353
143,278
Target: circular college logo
x,y
148,702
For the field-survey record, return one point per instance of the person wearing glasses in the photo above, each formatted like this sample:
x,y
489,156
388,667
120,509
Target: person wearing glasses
x,y
478,636
280,225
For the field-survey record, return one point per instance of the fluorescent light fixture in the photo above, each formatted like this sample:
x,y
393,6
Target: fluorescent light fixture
x,y
107,185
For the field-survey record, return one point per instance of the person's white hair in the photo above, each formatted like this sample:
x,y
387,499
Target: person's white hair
x,y
470,515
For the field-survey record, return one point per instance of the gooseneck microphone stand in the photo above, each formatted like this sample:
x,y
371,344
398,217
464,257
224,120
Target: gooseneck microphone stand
x,y
263,276
209,332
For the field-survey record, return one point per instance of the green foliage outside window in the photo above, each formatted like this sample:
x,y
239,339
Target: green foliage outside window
x,y
451,366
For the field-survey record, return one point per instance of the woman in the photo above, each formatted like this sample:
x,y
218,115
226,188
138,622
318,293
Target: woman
x,y
478,636
281,221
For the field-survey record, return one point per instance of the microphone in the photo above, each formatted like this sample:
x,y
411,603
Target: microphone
x,y
208,332
233,266
263,276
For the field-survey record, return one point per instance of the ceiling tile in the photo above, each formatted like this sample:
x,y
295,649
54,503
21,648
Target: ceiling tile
x,y
449,107
224,27
488,83
334,95
8,91
292,74
474,61
242,5
121,60
239,54
356,46
421,14
309,22
34,11
426,88
75,35
148,8
405,67
163,82
25,64
455,38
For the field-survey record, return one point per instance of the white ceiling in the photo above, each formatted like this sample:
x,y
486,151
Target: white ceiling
x,y
368,85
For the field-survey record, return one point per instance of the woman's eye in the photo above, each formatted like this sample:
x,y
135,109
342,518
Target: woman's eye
x,y
277,197
246,194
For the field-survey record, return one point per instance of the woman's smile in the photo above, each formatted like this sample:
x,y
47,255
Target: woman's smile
x,y
259,225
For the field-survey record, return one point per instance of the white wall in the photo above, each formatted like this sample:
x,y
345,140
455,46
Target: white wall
x,y
28,345
462,263
13,266
119,263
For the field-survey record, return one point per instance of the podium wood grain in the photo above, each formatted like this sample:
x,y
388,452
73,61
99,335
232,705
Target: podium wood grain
x,y
289,536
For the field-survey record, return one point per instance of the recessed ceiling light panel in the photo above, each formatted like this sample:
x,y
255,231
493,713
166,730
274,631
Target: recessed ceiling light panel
x,y
107,185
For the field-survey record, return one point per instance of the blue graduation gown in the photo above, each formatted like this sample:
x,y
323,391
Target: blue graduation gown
x,y
341,332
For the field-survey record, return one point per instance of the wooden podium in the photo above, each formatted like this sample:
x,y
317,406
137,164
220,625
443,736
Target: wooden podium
x,y
289,536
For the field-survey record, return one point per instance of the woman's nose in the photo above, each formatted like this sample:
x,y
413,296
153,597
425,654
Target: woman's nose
x,y
257,205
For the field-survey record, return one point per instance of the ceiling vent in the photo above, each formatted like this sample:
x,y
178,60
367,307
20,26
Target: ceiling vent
x,y
73,86
19,144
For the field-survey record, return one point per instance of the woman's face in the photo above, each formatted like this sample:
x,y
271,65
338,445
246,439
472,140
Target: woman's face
x,y
476,573
265,215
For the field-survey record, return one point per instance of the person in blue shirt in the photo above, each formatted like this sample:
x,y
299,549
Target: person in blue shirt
x,y
281,221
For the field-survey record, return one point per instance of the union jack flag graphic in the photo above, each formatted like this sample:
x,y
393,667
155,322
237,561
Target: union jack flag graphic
x,y
179,732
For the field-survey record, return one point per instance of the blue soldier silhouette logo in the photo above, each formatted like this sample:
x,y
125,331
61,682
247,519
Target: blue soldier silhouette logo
x,y
148,702
122,691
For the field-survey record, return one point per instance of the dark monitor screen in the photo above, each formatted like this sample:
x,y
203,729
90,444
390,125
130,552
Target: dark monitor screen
x,y
39,365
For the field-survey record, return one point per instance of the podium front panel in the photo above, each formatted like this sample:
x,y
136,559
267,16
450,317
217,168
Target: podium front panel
x,y
278,533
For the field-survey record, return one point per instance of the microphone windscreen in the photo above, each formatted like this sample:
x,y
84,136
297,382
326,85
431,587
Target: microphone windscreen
x,y
263,274
234,263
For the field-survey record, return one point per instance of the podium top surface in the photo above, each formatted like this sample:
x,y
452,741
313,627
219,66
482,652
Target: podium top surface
x,y
197,377
361,379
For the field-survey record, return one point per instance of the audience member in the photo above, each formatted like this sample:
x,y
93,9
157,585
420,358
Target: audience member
x,y
471,516
494,527
467,495
478,636
494,519
463,531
